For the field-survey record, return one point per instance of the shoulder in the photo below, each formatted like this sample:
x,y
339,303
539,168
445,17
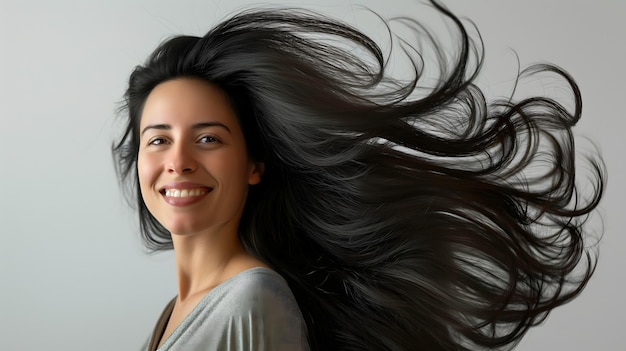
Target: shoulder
x,y
263,279
262,290
262,313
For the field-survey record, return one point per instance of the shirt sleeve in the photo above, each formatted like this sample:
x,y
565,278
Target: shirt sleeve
x,y
264,317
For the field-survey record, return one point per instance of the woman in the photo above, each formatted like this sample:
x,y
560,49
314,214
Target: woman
x,y
194,173
312,201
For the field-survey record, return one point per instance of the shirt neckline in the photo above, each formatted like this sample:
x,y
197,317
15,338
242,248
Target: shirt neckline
x,y
161,324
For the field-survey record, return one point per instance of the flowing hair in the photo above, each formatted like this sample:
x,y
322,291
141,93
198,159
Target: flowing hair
x,y
403,216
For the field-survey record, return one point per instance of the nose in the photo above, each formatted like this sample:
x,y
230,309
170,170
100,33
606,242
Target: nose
x,y
181,160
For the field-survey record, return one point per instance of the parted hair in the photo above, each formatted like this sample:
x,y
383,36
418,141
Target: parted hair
x,y
405,213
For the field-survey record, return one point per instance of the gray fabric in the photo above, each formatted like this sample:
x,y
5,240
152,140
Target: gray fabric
x,y
252,311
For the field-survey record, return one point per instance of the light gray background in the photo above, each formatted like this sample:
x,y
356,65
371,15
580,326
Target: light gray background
x,y
73,274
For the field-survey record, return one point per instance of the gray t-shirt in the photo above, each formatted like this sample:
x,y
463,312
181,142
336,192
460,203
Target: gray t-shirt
x,y
253,311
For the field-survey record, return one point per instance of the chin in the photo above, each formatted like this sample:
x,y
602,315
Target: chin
x,y
184,225
184,230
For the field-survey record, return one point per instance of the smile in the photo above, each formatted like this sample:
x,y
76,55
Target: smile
x,y
184,192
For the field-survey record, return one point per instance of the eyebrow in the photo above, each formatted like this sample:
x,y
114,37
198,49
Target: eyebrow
x,y
195,126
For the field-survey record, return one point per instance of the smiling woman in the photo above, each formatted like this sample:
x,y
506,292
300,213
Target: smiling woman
x,y
194,173
191,144
314,202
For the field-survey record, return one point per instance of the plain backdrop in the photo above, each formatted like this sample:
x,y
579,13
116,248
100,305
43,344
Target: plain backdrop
x,y
73,272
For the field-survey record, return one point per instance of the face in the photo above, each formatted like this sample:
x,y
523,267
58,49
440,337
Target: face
x,y
193,168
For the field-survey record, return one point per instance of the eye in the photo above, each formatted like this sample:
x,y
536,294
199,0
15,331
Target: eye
x,y
208,139
157,141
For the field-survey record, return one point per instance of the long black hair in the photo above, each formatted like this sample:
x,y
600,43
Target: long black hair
x,y
403,216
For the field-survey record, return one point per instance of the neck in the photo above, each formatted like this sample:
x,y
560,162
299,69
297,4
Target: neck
x,y
204,261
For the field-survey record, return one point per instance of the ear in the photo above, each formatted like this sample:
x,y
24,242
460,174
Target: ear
x,y
256,172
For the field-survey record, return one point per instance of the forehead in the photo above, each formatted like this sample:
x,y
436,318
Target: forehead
x,y
186,101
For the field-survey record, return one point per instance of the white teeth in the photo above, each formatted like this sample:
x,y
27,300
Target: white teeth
x,y
184,192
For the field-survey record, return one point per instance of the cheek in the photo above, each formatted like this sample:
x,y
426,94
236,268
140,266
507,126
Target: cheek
x,y
146,170
236,172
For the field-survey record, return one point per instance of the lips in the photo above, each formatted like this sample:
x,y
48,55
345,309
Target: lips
x,y
183,193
